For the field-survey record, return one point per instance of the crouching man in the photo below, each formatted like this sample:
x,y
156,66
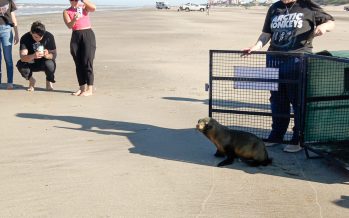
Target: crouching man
x,y
37,53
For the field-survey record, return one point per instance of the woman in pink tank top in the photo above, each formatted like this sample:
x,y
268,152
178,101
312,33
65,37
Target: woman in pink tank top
x,y
82,43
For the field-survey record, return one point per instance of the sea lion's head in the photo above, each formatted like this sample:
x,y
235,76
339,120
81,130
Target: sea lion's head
x,y
205,124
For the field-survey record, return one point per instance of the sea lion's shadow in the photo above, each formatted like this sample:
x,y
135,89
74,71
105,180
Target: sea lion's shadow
x,y
188,145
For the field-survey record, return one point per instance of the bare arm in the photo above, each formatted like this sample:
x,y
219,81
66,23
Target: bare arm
x,y
263,39
69,22
48,54
323,28
15,28
89,6
25,57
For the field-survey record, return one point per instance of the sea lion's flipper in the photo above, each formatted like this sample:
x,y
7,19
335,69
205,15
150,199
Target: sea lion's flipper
x,y
219,154
225,162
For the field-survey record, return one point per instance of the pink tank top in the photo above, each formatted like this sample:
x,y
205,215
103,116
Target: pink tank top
x,y
83,22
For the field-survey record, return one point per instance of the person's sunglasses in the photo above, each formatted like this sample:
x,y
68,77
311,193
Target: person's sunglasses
x,y
74,0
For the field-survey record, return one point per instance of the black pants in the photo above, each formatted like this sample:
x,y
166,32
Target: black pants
x,y
83,49
27,69
287,94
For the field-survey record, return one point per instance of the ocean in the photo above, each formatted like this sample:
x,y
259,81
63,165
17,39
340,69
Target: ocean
x,y
24,9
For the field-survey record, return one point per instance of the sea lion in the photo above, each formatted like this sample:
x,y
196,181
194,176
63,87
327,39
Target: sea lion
x,y
234,143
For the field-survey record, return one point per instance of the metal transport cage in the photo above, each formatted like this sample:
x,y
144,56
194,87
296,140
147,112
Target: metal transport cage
x,y
240,88
326,106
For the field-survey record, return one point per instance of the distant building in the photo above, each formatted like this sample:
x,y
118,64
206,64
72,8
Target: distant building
x,y
235,2
240,2
225,2
255,2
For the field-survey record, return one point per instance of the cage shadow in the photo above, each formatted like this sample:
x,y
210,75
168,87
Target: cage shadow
x,y
222,103
188,145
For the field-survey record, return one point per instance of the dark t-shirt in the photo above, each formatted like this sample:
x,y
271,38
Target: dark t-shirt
x,y
292,26
27,42
6,7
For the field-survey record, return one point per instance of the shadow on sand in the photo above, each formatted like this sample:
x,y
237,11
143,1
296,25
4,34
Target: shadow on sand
x,y
37,89
188,145
343,202
222,103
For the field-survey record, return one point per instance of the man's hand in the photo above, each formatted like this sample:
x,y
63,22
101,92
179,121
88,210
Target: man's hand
x,y
47,54
50,55
38,55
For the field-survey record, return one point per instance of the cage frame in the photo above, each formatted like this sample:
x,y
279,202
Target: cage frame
x,y
303,99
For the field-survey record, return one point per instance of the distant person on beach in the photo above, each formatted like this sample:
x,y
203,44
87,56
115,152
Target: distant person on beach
x,y
208,9
38,53
82,43
290,26
7,38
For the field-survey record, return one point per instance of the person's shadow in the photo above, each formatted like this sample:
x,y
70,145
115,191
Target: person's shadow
x,y
189,145
186,145
37,89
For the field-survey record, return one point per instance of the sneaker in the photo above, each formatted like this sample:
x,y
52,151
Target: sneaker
x,y
293,148
9,86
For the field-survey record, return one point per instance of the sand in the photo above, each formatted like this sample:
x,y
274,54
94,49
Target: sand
x,y
131,150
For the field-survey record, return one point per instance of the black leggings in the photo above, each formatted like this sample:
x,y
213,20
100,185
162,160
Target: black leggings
x,y
27,69
83,49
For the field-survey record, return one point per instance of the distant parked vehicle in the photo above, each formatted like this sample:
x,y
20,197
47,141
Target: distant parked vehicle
x,y
346,8
192,7
162,5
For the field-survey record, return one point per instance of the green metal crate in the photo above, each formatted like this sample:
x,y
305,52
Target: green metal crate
x,y
326,125
328,118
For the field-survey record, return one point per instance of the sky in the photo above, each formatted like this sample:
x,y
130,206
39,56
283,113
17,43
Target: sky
x,y
116,2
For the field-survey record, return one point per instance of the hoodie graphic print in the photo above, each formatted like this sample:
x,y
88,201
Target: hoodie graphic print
x,y
292,26
284,28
